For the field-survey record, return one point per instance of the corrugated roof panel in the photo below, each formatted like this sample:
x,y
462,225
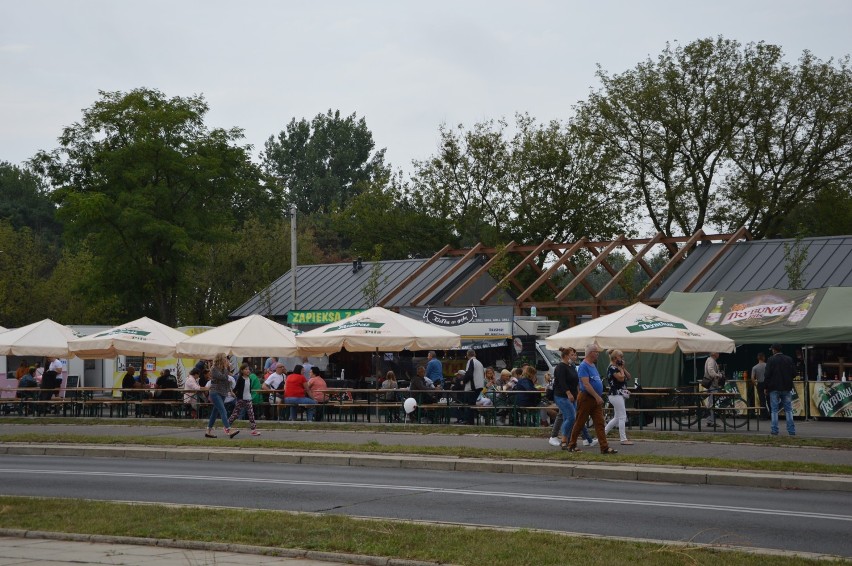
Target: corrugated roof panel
x,y
755,265
335,286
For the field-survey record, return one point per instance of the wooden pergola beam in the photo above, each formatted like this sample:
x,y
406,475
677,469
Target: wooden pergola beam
x,y
514,272
479,273
655,280
741,233
417,273
551,270
447,274
589,268
637,258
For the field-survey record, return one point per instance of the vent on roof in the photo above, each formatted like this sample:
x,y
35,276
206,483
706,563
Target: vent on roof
x,y
357,265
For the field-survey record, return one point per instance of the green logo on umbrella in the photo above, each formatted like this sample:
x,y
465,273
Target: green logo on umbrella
x,y
356,324
652,323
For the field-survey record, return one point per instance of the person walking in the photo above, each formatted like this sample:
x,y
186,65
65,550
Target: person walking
x,y
474,381
778,383
617,376
589,402
758,376
569,358
242,393
219,388
713,381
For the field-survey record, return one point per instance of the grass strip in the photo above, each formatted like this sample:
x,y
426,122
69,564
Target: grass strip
x,y
335,533
374,447
459,430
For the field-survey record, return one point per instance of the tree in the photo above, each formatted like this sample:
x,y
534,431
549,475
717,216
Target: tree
x,y
795,148
322,164
229,272
719,133
540,182
26,261
140,179
24,201
384,217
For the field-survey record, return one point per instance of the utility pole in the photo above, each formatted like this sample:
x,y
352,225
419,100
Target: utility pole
x,y
293,262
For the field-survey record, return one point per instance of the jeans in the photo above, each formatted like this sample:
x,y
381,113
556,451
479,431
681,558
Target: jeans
x,y
569,414
776,398
620,418
218,407
557,425
294,410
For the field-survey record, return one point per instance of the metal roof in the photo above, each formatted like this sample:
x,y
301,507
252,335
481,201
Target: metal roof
x,y
335,286
759,264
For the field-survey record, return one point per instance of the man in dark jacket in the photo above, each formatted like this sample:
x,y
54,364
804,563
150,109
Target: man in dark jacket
x,y
778,384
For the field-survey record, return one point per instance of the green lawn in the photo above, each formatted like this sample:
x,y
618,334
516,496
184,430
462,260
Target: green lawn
x,y
333,533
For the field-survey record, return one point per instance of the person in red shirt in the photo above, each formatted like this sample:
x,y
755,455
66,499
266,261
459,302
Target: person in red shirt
x,y
298,392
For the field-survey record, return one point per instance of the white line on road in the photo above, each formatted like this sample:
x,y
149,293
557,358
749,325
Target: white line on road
x,y
472,492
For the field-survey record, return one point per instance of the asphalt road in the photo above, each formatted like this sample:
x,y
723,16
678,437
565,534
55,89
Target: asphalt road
x,y
809,521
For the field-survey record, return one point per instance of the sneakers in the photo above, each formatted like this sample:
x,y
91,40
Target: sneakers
x,y
708,424
554,441
627,443
255,433
594,442
231,432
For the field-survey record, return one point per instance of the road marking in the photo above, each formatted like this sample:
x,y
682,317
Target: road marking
x,y
441,490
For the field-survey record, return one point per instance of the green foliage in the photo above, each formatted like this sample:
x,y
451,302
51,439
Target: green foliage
x,y
141,180
26,261
230,272
385,216
322,164
542,181
794,262
719,133
375,282
24,201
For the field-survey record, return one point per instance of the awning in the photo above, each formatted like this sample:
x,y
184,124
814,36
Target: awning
x,y
810,316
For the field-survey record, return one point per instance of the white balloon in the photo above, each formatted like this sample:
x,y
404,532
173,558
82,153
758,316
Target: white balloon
x,y
409,405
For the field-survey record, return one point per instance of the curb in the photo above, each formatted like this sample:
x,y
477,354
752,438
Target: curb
x,y
336,557
586,470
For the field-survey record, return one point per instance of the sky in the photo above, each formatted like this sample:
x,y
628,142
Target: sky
x,y
406,67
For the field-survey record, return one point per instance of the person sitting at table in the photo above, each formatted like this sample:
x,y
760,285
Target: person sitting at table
x,y
527,383
27,381
22,369
297,392
142,379
418,383
128,382
50,381
165,385
318,385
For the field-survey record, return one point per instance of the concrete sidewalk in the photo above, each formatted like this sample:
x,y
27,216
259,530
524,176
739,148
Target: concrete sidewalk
x,y
60,549
572,467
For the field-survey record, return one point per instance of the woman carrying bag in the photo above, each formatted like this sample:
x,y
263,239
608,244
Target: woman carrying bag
x,y
617,375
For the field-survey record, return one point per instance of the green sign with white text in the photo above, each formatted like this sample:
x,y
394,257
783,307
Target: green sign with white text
x,y
319,316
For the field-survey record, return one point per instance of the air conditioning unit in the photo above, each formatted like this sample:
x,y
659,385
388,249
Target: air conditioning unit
x,y
537,326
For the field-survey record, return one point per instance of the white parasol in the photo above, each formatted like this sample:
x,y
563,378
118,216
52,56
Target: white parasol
x,y
142,337
43,338
376,329
641,328
254,335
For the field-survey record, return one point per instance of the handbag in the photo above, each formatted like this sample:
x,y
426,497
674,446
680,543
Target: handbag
x,y
707,382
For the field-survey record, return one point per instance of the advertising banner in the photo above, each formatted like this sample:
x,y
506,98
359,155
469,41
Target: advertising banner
x,y
484,323
832,399
751,309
